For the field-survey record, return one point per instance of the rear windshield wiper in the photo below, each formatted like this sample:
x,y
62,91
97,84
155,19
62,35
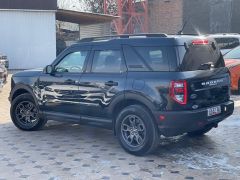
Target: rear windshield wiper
x,y
206,66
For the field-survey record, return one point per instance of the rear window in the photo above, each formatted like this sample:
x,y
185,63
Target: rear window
x,y
150,58
199,57
227,43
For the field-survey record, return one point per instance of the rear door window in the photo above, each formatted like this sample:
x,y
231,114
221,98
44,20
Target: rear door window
x,y
150,58
107,61
200,57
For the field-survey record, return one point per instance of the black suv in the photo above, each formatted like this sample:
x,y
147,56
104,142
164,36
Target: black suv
x,y
140,86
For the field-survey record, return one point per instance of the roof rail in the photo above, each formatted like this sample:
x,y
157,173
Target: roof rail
x,y
123,36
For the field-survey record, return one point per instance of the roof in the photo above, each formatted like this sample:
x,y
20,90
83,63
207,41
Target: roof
x,y
29,4
82,17
137,39
225,35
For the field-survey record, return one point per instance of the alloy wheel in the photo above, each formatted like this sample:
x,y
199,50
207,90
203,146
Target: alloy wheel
x,y
27,113
133,131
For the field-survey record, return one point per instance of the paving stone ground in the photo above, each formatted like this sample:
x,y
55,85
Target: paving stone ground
x,y
68,151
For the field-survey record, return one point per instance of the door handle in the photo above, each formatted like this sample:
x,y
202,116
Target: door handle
x,y
111,83
69,81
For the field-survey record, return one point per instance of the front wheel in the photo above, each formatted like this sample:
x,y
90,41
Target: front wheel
x,y
136,130
25,113
5,79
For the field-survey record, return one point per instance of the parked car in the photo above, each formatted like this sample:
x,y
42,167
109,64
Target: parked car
x,y
3,74
4,60
140,86
232,61
227,41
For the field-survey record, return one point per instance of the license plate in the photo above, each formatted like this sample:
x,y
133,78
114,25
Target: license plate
x,y
214,111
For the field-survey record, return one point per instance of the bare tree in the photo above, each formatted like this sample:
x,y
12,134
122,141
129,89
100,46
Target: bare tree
x,y
97,6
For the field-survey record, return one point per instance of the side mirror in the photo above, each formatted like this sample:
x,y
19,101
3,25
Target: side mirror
x,y
48,69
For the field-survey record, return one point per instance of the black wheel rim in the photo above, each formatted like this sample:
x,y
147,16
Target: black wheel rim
x,y
27,113
133,131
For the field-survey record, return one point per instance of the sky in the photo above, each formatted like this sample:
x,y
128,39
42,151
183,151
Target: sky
x,y
76,5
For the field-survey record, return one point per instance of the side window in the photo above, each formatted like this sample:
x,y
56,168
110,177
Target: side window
x,y
150,58
108,61
155,57
134,62
73,62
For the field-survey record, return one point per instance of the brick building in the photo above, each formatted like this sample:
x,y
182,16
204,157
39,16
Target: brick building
x,y
205,16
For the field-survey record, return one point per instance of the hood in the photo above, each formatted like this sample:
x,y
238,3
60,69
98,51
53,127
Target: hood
x,y
29,73
232,62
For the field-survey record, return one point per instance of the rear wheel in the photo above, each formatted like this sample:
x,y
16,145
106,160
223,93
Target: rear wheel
x,y
25,113
200,132
136,130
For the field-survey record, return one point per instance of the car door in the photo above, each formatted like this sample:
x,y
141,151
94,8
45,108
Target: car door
x,y
102,84
60,90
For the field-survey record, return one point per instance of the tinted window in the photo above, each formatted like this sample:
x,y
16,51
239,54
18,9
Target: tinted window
x,y
109,61
234,54
227,43
134,62
73,62
199,57
150,58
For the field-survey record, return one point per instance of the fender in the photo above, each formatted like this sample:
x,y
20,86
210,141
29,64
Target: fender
x,y
25,87
131,95
29,90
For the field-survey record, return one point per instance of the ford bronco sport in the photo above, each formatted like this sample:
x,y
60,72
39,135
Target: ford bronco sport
x,y
140,86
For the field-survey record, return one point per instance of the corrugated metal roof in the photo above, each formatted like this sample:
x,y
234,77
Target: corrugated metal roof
x,y
82,17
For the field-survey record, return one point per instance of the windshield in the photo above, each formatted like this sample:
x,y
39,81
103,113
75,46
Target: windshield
x,y
234,54
200,57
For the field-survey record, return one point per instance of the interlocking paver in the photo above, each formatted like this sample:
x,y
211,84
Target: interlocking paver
x,y
66,151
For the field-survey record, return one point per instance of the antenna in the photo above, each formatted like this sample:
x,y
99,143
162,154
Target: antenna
x,y
181,31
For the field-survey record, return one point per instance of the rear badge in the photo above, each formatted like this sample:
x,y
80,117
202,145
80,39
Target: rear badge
x,y
193,96
213,82
195,107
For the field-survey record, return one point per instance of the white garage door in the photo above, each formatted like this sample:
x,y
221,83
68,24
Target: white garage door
x,y
28,38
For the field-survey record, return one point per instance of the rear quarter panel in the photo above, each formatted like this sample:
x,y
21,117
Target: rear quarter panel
x,y
154,86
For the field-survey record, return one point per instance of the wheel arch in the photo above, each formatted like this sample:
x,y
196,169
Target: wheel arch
x,y
128,100
21,89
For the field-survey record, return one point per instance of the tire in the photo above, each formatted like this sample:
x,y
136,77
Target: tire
x,y
25,113
200,132
139,139
5,79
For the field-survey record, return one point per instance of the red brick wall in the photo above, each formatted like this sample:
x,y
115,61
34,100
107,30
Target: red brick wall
x,y
165,16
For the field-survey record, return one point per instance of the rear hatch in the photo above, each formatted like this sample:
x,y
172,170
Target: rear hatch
x,y
207,79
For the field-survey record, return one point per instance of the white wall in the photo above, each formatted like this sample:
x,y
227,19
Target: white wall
x,y
28,38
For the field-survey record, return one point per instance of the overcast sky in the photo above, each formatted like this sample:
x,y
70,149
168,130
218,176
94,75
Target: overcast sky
x,y
72,5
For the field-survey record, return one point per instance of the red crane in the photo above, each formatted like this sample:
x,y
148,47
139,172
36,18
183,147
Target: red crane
x,y
133,15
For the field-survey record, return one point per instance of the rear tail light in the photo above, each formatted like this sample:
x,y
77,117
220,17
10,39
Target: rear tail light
x,y
200,42
178,91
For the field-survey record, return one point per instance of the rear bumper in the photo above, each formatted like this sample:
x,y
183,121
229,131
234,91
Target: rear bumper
x,y
180,122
